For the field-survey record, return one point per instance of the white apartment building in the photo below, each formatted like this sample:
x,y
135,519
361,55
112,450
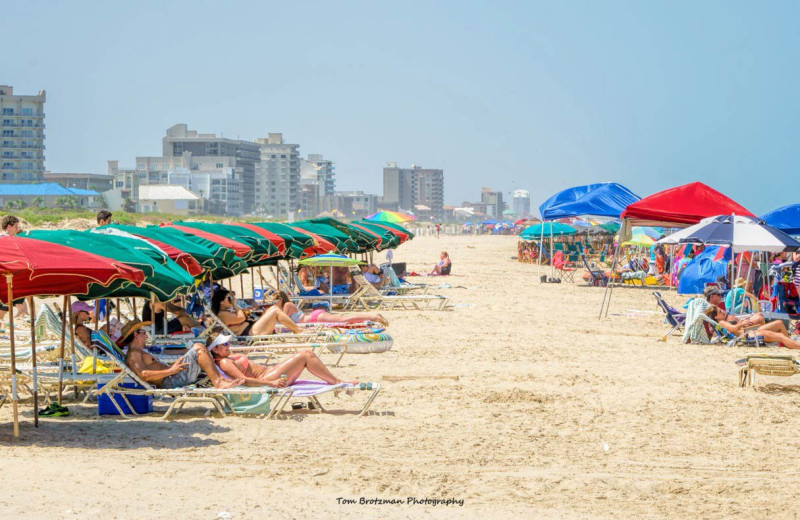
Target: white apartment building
x,y
21,136
521,203
277,177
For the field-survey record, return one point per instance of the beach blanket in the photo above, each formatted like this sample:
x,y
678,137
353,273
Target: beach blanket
x,y
307,388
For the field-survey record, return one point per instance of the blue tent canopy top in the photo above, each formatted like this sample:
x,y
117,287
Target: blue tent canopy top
x,y
786,218
605,199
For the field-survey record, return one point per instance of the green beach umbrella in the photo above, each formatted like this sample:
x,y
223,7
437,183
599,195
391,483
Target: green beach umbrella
x,y
548,228
212,257
162,276
262,248
344,242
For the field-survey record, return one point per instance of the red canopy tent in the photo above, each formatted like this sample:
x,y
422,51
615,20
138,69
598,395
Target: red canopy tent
x,y
681,206
676,207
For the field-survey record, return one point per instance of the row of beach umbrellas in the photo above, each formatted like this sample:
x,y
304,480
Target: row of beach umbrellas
x,y
167,260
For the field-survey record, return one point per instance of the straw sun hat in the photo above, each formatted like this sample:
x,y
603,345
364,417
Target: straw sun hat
x,y
128,330
740,282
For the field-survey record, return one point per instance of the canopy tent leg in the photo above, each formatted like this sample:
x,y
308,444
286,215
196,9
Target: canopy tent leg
x,y
610,285
541,246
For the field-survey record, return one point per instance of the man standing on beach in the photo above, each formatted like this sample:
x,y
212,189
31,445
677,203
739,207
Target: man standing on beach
x,y
103,217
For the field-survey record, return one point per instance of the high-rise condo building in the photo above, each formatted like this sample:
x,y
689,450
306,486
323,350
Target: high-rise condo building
x,y
522,203
21,136
494,202
243,156
277,180
404,188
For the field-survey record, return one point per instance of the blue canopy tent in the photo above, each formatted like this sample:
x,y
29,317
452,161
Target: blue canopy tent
x,y
787,219
603,199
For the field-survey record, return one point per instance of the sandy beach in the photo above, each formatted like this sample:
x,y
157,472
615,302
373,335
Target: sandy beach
x,y
517,401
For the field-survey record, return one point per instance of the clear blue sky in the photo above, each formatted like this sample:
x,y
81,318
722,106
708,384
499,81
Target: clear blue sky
x,y
531,95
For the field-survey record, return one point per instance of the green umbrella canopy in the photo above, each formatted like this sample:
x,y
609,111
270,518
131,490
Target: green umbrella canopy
x,y
367,240
209,255
389,240
262,248
381,227
548,228
344,242
330,261
298,245
163,277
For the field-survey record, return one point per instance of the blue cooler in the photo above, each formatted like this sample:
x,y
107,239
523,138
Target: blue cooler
x,y
140,403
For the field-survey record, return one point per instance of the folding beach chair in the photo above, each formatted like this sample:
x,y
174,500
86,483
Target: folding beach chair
x,y
561,266
373,299
785,365
599,278
672,316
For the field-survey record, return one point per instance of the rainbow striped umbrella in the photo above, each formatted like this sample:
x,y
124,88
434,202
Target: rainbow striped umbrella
x,y
393,217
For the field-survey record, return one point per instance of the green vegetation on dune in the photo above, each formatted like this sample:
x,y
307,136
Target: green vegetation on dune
x,y
40,216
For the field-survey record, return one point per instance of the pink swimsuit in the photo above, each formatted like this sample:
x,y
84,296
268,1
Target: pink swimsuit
x,y
312,318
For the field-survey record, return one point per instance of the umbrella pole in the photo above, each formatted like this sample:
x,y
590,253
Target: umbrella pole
x,y
61,350
119,314
72,336
541,245
153,315
330,289
9,284
252,283
134,308
241,284
32,308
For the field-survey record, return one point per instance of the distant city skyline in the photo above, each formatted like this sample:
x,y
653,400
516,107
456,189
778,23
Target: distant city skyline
x,y
519,95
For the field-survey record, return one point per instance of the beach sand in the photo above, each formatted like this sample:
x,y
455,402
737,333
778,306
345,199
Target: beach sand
x,y
546,412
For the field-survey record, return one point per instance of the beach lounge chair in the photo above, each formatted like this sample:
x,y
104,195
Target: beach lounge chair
x,y
373,299
396,286
672,316
190,394
767,365
599,278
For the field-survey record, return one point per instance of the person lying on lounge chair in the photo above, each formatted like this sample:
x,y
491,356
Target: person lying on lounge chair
x,y
222,305
240,368
185,371
82,314
772,332
320,316
443,267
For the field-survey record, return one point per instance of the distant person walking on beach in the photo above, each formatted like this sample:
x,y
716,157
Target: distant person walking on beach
x,y
103,217
438,229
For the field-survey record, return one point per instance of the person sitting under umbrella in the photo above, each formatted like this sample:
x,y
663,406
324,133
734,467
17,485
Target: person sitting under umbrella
x,y
772,332
240,368
321,316
222,305
82,314
185,371
373,274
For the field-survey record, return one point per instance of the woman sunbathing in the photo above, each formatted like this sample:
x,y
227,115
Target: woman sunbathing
x,y
238,366
222,304
320,316
772,332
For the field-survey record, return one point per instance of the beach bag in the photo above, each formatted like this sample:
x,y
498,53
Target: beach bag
x,y
257,404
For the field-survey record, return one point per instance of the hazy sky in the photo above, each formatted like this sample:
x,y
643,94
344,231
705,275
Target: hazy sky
x,y
539,96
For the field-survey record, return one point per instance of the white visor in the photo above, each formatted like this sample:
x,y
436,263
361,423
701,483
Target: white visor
x,y
219,340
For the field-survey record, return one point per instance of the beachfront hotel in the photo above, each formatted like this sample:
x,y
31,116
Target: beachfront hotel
x,y
521,202
21,136
277,184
